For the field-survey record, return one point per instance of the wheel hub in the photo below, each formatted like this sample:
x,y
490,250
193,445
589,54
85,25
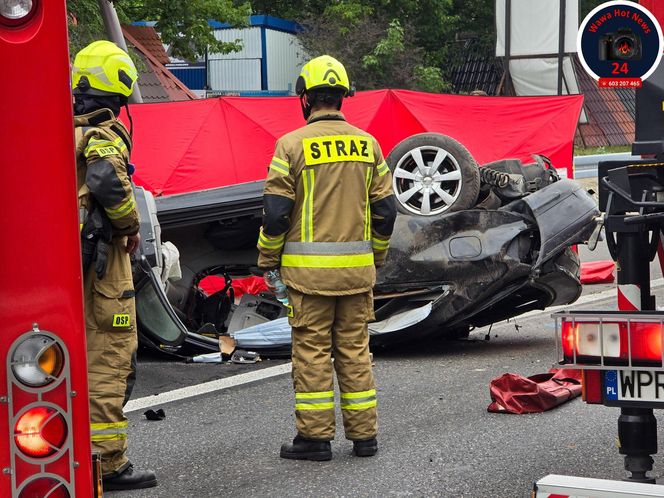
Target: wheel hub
x,y
419,177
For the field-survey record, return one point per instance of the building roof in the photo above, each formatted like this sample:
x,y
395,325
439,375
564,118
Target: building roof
x,y
478,69
257,21
156,82
149,39
264,21
611,113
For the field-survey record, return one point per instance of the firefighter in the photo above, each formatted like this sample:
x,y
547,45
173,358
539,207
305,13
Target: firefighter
x,y
329,212
103,78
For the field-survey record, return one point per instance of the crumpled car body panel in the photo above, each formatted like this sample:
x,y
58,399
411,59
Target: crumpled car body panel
x,y
492,264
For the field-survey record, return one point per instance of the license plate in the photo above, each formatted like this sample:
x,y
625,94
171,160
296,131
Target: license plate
x,y
633,387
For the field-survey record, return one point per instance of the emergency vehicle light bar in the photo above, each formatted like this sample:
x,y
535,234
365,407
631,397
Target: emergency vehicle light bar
x,y
596,340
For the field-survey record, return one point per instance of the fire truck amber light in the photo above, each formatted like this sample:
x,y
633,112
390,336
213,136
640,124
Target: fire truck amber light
x,y
40,432
16,10
38,360
45,486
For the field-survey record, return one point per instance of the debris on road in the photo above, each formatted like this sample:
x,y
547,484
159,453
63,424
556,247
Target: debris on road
x,y
241,356
597,272
512,393
151,414
272,334
207,358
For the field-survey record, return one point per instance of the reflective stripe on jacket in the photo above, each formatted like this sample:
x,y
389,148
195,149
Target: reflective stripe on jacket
x,y
320,225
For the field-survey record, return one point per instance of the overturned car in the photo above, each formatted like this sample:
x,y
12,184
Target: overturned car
x,y
471,246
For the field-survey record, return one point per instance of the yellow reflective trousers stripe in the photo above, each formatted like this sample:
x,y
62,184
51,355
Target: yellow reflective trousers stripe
x,y
110,431
314,406
314,401
359,406
322,394
109,425
360,394
327,261
307,229
358,400
108,437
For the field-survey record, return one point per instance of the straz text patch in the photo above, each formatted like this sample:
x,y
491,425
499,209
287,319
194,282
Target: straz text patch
x,y
337,148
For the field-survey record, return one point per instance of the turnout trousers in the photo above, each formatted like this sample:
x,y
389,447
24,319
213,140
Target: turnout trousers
x,y
325,327
110,323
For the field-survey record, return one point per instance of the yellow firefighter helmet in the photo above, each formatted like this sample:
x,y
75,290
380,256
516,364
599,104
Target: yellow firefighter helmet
x,y
102,68
323,72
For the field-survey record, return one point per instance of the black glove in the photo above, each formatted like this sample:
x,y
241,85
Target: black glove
x,y
101,258
96,237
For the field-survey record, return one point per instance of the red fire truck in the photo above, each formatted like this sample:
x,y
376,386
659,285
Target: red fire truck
x,y
621,353
43,388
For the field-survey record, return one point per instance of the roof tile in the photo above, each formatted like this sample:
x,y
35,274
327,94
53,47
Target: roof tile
x,y
156,82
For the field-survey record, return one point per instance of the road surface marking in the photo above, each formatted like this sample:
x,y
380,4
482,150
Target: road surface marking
x,y
206,387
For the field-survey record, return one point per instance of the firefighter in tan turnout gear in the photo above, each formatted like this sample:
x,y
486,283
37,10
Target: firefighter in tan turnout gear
x,y
328,216
103,78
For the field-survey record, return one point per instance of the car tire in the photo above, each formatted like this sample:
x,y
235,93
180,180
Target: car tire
x,y
433,174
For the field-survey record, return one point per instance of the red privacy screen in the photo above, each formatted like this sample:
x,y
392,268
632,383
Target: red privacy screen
x,y
196,145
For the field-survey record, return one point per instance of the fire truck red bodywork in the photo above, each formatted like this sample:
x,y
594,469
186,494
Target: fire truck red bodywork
x,y
40,267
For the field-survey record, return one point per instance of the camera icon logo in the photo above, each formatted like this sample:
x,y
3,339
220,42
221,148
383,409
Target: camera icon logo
x,y
622,45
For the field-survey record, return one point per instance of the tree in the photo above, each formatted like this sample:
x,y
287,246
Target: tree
x,y
182,24
376,41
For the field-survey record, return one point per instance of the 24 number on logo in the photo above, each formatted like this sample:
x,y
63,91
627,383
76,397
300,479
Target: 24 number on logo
x,y
619,68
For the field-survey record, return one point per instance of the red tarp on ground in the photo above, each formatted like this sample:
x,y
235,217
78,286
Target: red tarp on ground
x,y
511,393
195,145
597,272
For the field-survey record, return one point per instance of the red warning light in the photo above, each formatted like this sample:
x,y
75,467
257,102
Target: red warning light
x,y
40,432
44,486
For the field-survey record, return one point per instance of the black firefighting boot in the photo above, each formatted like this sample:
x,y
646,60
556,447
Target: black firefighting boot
x,y
129,478
366,448
307,449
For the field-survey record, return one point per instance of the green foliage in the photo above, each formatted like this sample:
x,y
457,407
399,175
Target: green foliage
x,y
85,23
387,49
430,79
393,43
376,41
182,24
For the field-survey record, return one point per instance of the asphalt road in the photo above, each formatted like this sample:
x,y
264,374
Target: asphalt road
x,y
436,437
